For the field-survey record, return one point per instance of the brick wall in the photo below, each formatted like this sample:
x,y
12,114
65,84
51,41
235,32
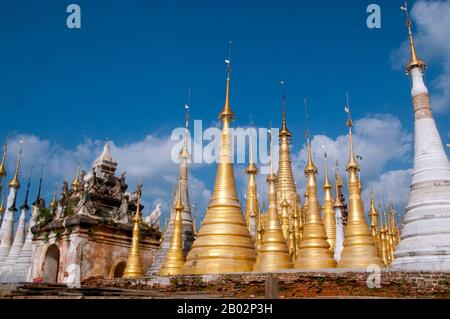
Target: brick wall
x,y
294,284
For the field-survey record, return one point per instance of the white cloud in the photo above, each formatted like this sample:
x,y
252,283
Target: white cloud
x,y
431,22
390,187
379,139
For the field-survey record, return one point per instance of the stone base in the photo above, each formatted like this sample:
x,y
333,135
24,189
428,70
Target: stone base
x,y
289,284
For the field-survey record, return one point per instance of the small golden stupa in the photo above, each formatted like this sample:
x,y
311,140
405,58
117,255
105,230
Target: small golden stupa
x,y
328,213
174,261
133,268
274,253
314,250
359,247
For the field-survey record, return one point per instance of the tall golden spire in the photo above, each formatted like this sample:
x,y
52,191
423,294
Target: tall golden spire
x,y
251,204
383,243
394,226
388,243
223,243
284,130
14,183
314,252
328,213
285,218
227,113
76,181
298,224
133,268
373,215
259,233
174,261
415,61
391,240
184,153
359,247
274,253
286,188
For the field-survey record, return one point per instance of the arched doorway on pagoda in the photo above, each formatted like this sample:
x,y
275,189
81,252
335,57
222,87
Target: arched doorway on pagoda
x,y
118,268
51,264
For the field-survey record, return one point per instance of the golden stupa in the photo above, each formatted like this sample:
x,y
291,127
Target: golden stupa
x,y
373,217
359,247
305,208
174,261
251,204
285,218
391,239
223,243
298,225
133,268
76,181
274,253
15,183
383,244
328,213
314,252
286,188
259,233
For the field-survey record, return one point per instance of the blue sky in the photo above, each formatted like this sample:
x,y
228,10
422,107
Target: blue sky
x,y
123,76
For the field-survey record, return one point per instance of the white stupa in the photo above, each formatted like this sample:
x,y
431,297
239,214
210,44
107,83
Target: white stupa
x,y
9,268
7,228
19,271
425,238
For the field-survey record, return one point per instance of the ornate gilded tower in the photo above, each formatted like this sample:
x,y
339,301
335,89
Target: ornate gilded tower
x,y
314,252
251,204
223,243
286,188
373,217
425,237
328,214
274,253
359,247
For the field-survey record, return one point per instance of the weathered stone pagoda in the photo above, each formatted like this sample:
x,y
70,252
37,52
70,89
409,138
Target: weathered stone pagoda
x,y
88,232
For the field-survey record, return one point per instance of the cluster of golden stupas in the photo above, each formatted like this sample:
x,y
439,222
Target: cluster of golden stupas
x,y
288,234
385,232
